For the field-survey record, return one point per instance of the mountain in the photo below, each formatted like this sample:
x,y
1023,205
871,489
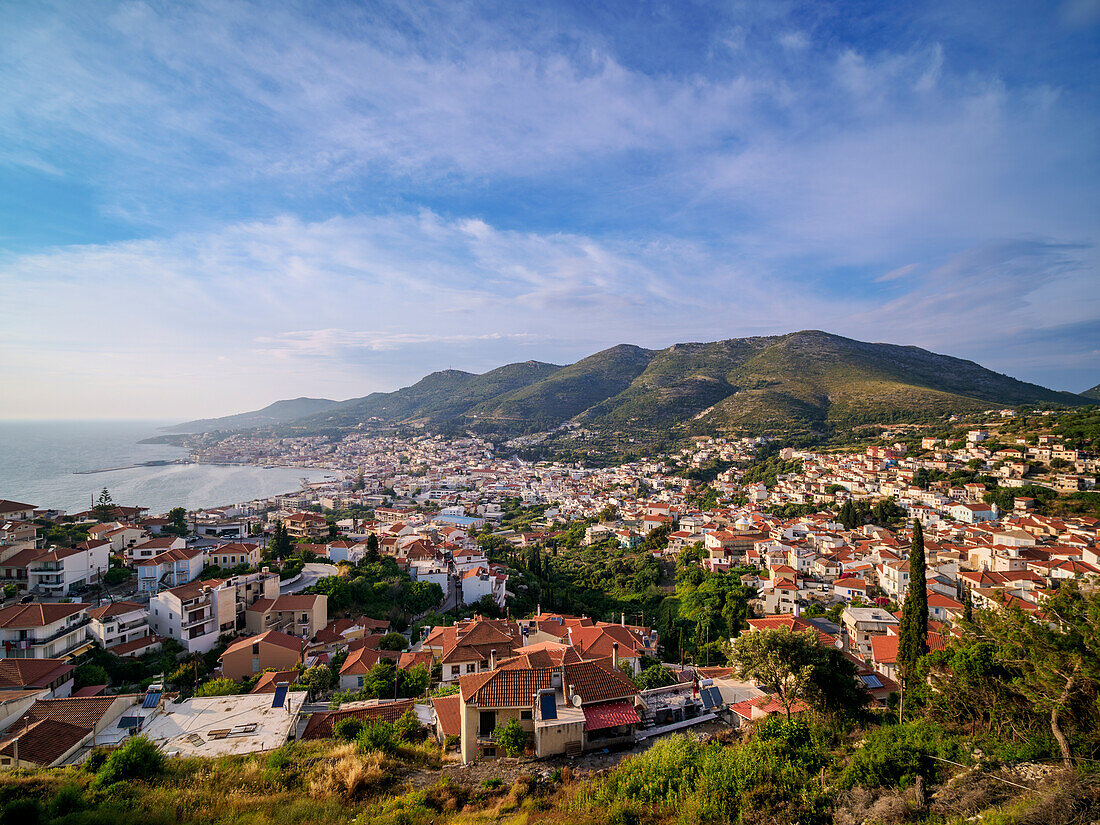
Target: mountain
x,y
280,412
809,381
1093,393
435,399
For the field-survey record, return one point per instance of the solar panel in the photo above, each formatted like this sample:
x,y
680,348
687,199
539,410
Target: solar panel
x,y
280,696
871,680
152,699
129,722
547,706
715,697
708,702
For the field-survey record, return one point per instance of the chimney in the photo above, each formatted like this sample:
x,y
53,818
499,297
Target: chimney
x,y
615,654
797,609
622,619
538,610
493,659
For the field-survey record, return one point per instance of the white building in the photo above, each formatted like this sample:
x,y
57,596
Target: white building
x,y
197,613
57,571
169,569
118,623
480,582
44,631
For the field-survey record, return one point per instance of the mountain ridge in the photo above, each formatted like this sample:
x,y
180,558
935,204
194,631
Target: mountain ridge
x,y
809,380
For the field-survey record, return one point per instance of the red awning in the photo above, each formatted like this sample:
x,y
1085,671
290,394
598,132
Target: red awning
x,y
610,715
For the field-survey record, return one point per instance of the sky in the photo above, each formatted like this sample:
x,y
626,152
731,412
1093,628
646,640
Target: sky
x,y
209,206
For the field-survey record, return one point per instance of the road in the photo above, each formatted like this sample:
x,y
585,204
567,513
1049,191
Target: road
x,y
311,573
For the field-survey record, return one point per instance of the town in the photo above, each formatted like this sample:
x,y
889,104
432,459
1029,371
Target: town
x,y
447,586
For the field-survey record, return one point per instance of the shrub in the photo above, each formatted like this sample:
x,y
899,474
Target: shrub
x,y
348,729
377,736
21,812
137,759
69,799
393,641
492,784
408,727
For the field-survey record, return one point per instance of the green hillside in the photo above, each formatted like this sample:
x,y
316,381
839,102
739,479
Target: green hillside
x,y
804,381
1094,393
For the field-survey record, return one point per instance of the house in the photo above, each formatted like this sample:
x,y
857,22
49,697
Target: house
x,y
972,512
252,654
471,647
270,680
15,511
154,547
300,614
480,582
58,571
44,631
566,709
227,725
169,569
231,555
54,676
121,623
851,588
358,663
863,623
197,613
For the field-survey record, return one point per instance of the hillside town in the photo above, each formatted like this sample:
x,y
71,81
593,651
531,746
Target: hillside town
x,y
236,629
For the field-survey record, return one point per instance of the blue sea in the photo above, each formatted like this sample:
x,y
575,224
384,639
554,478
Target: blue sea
x,y
38,460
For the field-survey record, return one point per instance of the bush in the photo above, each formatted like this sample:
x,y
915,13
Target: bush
x,y
895,755
137,759
348,729
21,812
377,736
218,687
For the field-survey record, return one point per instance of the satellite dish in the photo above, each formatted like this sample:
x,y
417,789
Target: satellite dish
x,y
576,700
839,644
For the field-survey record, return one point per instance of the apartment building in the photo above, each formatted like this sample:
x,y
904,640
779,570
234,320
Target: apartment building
x,y
57,571
197,613
44,631
120,623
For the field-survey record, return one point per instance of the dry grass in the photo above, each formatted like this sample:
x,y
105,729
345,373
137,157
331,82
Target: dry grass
x,y
350,775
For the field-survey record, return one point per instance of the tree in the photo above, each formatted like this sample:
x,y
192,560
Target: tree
x,y
1058,656
511,736
90,674
177,522
780,659
104,508
372,549
280,546
913,630
139,758
393,641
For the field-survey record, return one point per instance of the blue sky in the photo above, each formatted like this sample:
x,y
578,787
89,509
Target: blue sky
x,y
205,207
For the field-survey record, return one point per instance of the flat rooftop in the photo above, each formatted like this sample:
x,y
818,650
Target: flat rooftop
x,y
224,725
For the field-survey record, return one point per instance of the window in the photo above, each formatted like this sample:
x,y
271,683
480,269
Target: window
x,y
471,668
487,722
525,714
255,664
455,670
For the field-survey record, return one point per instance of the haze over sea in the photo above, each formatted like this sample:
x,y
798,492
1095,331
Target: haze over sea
x,y
38,460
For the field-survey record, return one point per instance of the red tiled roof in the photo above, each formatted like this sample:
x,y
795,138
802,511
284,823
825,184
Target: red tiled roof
x,y
448,710
610,715
269,679
274,637
37,614
42,741
320,725
32,672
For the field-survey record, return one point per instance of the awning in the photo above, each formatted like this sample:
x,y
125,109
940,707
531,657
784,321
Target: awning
x,y
610,715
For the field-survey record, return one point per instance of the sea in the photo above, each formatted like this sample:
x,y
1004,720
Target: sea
x,y
39,463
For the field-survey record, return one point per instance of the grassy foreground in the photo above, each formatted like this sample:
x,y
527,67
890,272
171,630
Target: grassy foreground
x,y
805,772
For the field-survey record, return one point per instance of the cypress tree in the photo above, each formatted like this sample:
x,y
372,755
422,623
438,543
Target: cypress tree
x,y
968,605
913,631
